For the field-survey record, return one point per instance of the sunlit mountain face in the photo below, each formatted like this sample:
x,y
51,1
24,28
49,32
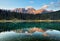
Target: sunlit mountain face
x,y
33,6
31,10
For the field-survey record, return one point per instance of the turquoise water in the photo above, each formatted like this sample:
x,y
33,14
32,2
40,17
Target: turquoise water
x,y
8,31
17,25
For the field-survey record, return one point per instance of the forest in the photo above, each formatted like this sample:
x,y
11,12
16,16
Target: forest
x,y
8,15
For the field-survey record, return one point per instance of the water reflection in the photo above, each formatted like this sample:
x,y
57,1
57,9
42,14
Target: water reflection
x,y
25,35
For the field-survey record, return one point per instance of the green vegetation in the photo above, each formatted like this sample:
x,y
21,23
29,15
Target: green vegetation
x,y
8,15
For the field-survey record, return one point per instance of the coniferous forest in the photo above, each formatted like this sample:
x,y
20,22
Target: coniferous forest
x,y
8,15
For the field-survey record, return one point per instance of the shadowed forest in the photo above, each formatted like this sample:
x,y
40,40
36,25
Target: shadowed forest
x,y
8,15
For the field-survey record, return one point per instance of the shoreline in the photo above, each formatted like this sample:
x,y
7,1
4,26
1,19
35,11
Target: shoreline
x,y
29,20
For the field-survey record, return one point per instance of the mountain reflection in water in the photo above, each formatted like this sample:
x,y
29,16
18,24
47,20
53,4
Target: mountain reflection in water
x,y
48,35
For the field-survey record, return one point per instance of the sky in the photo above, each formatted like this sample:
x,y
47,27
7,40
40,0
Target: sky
x,y
37,4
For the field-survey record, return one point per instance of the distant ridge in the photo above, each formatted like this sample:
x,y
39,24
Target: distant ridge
x,y
10,15
31,10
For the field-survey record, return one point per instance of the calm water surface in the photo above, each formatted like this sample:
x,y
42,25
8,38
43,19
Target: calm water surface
x,y
51,30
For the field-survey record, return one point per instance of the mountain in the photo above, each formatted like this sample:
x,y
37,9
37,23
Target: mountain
x,y
19,10
8,15
31,10
41,11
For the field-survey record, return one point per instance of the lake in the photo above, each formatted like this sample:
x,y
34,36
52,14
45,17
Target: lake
x,y
19,25
51,35
29,31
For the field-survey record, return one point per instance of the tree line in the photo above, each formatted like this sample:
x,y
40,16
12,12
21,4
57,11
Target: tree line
x,y
8,15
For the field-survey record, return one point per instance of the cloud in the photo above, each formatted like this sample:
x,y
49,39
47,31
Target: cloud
x,y
55,4
52,6
52,3
58,2
45,6
31,2
29,7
